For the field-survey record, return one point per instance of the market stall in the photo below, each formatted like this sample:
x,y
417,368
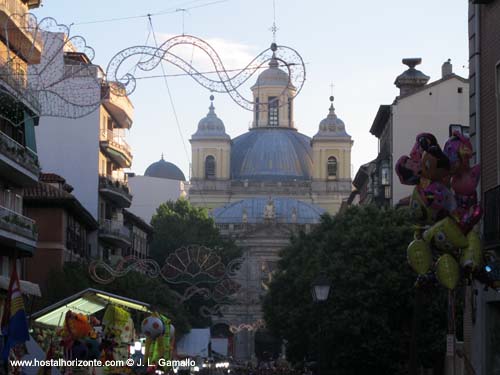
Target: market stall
x,y
95,325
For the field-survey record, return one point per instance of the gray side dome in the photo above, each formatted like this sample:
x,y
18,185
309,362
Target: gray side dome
x,y
332,126
251,211
211,126
165,169
271,154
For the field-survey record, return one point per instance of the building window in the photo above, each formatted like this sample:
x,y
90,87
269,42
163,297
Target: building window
x,y
385,176
332,166
210,167
273,105
463,130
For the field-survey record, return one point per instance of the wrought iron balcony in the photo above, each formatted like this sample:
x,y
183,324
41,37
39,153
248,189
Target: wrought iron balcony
x,y
22,29
115,190
18,163
19,226
115,233
116,101
115,146
17,84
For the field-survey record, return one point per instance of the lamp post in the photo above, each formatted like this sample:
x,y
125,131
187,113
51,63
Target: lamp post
x,y
320,290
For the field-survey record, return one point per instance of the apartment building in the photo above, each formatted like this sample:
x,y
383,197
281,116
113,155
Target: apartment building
x,y
19,165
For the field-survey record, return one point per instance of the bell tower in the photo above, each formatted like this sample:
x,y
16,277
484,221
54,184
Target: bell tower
x,y
211,148
331,149
273,95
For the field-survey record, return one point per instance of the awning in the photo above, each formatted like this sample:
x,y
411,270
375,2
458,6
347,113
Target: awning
x,y
26,286
88,302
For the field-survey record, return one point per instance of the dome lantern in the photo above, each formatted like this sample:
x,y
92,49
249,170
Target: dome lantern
x,y
331,126
210,126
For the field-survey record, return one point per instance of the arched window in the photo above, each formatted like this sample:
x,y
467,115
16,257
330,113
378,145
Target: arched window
x,y
332,166
210,167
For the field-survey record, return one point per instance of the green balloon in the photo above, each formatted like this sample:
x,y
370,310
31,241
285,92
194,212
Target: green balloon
x,y
447,271
472,255
419,256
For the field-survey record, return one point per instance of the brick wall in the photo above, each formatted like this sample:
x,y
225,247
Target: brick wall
x,y
490,57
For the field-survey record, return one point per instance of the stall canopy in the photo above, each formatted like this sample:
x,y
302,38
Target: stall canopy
x,y
88,302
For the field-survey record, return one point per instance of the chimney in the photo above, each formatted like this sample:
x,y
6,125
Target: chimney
x,y
447,69
412,79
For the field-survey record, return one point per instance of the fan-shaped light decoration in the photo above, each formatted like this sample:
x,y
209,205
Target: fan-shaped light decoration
x,y
60,79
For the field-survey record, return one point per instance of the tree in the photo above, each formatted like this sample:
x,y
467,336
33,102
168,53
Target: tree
x,y
179,224
366,322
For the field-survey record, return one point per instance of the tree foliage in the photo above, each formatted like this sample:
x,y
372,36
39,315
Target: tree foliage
x,y
366,324
179,224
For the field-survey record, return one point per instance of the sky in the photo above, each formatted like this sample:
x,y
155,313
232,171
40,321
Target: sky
x,y
356,45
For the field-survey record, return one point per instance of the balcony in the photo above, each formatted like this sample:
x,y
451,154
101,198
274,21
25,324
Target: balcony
x,y
115,233
21,29
115,190
16,83
113,144
17,163
116,101
17,232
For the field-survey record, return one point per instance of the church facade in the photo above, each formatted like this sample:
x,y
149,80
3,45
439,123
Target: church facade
x,y
264,185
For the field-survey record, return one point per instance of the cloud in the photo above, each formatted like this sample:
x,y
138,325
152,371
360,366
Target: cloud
x,y
234,55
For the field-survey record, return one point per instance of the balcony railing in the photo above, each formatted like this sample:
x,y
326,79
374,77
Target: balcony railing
x,y
18,224
117,102
18,82
116,185
114,228
17,11
116,141
18,153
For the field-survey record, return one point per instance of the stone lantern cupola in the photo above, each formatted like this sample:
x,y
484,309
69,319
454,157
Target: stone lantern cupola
x,y
273,94
331,149
211,148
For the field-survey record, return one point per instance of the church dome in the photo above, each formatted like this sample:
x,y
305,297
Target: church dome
x,y
253,210
271,154
165,169
273,76
210,126
332,126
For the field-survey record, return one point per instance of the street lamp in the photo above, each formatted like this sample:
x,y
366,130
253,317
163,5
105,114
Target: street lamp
x,y
320,288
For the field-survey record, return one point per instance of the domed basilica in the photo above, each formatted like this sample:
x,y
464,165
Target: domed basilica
x,y
266,183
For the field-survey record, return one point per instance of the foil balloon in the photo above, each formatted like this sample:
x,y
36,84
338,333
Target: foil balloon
x,y
447,271
419,256
418,207
446,236
152,327
472,256
458,149
435,164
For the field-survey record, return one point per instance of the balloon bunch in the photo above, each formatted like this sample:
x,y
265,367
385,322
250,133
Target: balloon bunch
x,y
445,207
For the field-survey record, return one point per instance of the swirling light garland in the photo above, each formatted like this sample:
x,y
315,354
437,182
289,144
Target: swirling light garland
x,y
150,57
